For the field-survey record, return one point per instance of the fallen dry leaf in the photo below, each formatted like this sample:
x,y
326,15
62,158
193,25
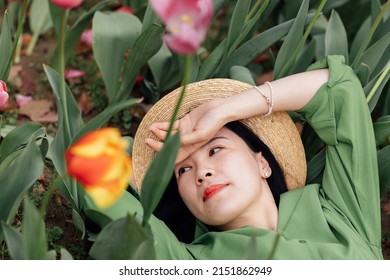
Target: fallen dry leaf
x,y
39,111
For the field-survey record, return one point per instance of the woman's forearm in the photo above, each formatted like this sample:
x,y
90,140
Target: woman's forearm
x,y
289,94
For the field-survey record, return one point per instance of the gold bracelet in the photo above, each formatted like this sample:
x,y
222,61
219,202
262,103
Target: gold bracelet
x,y
268,100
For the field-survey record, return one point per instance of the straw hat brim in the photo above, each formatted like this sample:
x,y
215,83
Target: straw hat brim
x,y
277,131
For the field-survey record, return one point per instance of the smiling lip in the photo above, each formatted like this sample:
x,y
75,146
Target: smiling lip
x,y
212,190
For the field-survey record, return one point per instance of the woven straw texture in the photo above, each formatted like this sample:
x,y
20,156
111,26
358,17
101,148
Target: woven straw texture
x,y
277,131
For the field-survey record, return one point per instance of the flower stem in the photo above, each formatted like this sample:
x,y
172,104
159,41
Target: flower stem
x,y
186,77
378,83
64,17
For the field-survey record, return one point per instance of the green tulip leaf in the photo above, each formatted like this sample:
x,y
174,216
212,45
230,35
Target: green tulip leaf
x,y
150,17
145,47
359,38
12,184
382,131
237,22
5,47
158,176
315,167
373,55
336,41
103,117
164,68
243,74
14,240
374,88
123,239
39,21
285,57
212,62
305,59
19,136
255,46
113,35
384,167
34,233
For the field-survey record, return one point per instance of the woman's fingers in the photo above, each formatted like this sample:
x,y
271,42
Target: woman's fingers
x,y
155,145
161,133
165,125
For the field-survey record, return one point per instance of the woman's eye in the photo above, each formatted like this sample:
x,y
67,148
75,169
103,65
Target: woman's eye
x,y
214,150
183,170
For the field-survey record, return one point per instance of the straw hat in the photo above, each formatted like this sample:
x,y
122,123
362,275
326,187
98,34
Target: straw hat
x,y
277,131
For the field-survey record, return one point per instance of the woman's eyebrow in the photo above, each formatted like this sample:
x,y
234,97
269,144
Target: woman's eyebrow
x,y
212,140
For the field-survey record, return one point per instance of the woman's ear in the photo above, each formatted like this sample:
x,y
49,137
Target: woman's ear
x,y
265,169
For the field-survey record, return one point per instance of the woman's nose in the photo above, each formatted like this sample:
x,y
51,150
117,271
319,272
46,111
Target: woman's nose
x,y
203,175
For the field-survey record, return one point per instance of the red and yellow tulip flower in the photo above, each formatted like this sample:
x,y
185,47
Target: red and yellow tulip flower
x,y
100,163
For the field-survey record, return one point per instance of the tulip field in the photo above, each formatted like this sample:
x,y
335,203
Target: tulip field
x,y
77,77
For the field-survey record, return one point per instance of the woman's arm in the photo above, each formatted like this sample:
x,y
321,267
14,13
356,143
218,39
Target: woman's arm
x,y
289,94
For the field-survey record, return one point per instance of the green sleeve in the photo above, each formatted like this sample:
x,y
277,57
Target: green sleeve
x,y
339,114
166,244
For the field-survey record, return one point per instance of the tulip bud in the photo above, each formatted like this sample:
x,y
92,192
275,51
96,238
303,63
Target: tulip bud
x,y
67,4
3,94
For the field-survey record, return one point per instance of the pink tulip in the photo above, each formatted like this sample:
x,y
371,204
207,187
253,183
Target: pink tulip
x,y
22,100
186,21
3,94
125,9
67,4
86,37
74,73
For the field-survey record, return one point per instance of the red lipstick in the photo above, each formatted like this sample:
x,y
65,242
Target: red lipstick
x,y
212,190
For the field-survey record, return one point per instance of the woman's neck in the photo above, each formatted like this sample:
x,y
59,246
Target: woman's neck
x,y
262,214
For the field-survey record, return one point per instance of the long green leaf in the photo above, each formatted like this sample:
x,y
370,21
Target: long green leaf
x,y
14,240
61,142
164,68
13,183
374,88
34,234
384,167
252,48
368,38
113,35
336,41
150,17
99,120
382,131
123,239
158,176
39,21
291,42
212,62
250,23
75,120
237,22
18,137
5,47
373,55
146,45
243,74
359,38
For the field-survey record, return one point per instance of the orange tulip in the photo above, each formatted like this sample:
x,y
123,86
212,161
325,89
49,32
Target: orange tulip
x,y
100,163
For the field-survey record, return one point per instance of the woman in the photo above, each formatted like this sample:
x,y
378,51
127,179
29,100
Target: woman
x,y
226,185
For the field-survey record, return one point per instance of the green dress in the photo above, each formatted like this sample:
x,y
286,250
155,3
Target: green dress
x,y
336,219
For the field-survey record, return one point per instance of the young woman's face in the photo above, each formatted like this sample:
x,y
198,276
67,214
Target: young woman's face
x,y
221,183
